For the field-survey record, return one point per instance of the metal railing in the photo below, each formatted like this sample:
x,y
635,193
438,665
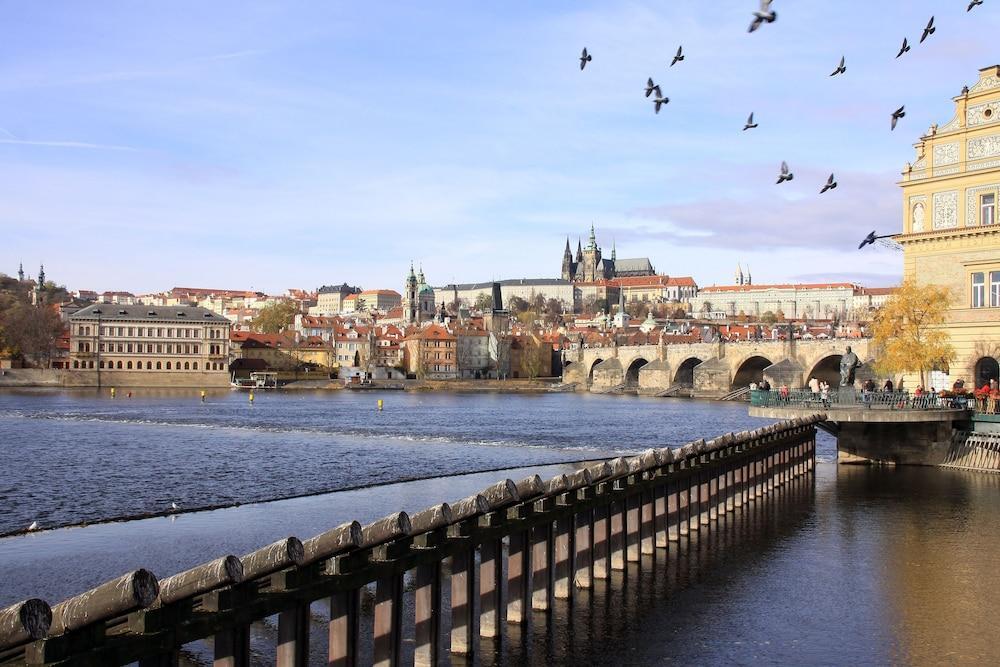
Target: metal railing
x,y
511,549
881,400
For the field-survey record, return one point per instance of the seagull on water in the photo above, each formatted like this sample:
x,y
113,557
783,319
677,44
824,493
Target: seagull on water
x,y
903,49
34,526
585,58
928,31
764,14
841,68
830,184
679,57
750,124
174,507
785,175
896,115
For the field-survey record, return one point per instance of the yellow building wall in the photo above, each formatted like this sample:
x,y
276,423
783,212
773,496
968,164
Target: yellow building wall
x,y
943,240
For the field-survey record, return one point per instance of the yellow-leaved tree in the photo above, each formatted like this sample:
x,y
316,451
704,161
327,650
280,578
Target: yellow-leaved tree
x,y
907,330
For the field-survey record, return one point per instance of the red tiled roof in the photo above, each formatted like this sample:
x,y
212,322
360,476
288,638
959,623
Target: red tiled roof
x,y
382,292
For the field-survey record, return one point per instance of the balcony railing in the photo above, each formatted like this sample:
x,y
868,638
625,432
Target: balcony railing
x,y
873,400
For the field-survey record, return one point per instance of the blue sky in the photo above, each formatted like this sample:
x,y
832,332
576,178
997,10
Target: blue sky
x,y
293,144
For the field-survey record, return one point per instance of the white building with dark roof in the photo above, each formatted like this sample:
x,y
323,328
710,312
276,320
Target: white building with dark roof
x,y
189,342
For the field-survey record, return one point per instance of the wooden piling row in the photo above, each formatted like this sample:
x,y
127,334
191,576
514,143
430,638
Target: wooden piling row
x,y
549,537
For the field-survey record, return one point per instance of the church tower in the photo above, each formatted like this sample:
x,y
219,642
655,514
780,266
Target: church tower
x,y
567,262
410,304
20,270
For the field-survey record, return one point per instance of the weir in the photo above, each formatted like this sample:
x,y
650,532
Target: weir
x,y
513,548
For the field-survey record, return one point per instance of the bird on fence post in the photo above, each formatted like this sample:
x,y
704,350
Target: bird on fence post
x,y
251,398
202,395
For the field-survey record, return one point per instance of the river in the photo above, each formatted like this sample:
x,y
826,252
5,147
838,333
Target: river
x,y
857,566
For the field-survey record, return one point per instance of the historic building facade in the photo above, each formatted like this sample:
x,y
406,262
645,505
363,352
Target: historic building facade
x,y
131,343
590,265
950,233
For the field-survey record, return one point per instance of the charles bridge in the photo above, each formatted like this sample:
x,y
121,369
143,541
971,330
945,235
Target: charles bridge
x,y
710,370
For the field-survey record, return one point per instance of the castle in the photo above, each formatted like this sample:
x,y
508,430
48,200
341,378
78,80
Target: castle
x,y
590,266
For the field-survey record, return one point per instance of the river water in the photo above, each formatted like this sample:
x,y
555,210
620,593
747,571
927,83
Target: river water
x,y
854,566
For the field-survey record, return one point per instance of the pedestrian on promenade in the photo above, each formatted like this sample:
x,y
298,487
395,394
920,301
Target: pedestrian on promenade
x,y
824,389
888,385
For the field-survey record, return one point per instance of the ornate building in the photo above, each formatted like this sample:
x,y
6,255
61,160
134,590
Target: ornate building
x,y
418,298
590,266
950,234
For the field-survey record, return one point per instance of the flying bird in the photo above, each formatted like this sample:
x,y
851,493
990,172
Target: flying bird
x,y
34,526
871,238
830,184
896,115
785,175
974,3
585,58
764,14
679,57
750,124
903,49
660,100
650,87
928,31
841,68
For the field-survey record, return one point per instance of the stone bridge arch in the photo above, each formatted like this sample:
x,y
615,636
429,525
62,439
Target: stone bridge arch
x,y
685,371
631,378
826,370
590,371
750,369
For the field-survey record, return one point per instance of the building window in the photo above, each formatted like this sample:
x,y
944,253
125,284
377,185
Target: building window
x,y
128,365
995,289
187,366
149,365
159,365
168,365
194,365
119,365
978,290
988,209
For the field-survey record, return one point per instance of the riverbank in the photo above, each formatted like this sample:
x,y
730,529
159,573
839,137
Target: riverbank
x,y
63,379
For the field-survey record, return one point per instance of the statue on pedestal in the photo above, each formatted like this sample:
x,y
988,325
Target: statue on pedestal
x,y
848,364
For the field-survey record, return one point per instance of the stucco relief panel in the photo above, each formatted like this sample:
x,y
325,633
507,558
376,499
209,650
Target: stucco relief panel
x,y
917,214
986,83
945,209
981,114
945,154
980,147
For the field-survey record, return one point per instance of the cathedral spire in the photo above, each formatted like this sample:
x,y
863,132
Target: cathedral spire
x,y
579,251
593,238
20,272
612,250
567,253
41,275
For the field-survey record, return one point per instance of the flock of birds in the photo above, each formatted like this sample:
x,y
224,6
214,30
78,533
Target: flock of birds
x,y
766,15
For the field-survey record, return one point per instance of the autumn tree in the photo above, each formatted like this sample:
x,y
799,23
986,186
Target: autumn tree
x,y
275,318
516,304
907,330
484,302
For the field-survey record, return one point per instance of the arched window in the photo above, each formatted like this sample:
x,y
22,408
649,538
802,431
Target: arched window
x,y
128,365
119,365
149,365
168,365
159,365
91,364
186,366
76,364
987,369
194,366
